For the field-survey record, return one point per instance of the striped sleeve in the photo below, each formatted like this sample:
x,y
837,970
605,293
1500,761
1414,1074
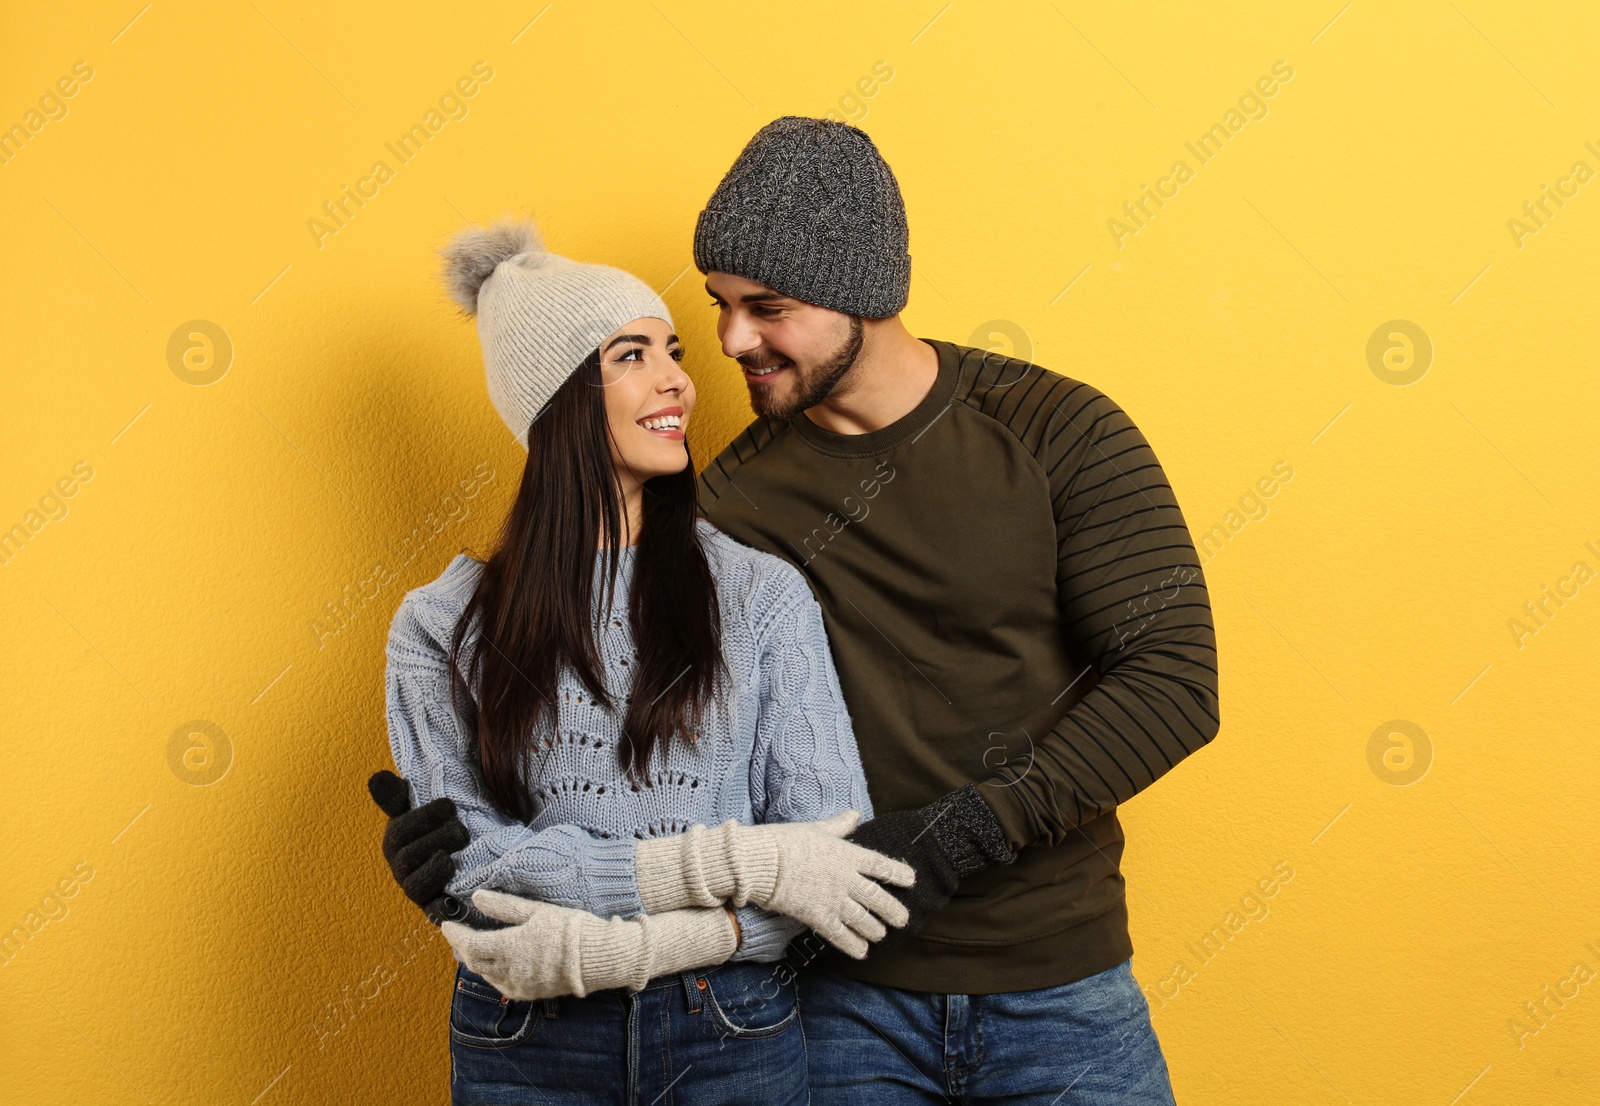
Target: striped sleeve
x,y
716,479
1133,603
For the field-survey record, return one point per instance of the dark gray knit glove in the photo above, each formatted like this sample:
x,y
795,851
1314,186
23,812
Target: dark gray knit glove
x,y
953,836
417,843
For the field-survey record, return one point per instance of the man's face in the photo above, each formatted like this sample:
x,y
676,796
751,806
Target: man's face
x,y
794,354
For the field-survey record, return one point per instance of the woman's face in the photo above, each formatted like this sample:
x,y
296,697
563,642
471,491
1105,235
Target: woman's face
x,y
648,399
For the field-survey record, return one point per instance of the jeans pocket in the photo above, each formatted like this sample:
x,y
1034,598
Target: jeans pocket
x,y
751,1000
481,1017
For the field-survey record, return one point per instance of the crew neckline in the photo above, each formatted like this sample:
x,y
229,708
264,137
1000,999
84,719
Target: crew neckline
x,y
909,425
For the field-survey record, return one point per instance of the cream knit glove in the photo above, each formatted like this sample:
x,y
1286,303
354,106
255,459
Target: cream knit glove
x,y
803,869
558,950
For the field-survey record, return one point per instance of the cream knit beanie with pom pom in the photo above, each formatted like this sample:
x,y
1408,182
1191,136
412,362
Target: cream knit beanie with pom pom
x,y
539,314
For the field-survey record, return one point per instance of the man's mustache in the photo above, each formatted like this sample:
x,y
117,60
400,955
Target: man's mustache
x,y
753,363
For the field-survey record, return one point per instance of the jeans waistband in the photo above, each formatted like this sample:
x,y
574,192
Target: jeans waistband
x,y
674,979
694,982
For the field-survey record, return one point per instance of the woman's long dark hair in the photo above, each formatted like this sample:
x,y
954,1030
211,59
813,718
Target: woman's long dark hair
x,y
538,613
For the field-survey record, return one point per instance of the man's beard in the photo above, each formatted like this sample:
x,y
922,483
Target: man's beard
x,y
811,387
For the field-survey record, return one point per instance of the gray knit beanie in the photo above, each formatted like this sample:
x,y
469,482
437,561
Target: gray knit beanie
x,y
539,314
811,209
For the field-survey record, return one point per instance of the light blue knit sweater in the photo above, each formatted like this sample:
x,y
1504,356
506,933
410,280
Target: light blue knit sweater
x,y
780,748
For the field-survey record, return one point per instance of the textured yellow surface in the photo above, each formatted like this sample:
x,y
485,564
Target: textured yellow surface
x,y
1358,325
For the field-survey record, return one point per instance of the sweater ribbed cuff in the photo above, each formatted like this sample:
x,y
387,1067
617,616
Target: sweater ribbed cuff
x,y
608,869
764,935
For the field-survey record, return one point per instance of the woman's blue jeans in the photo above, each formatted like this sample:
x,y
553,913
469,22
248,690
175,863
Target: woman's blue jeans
x,y
729,1034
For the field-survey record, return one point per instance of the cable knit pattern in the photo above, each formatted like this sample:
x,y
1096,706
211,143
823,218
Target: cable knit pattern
x,y
778,748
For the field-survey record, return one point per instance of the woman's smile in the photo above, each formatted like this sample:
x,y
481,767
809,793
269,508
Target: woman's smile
x,y
665,423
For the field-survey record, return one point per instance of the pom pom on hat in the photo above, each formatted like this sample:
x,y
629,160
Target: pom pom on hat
x,y
473,254
538,314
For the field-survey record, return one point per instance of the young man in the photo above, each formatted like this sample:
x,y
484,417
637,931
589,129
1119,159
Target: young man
x,y
1020,625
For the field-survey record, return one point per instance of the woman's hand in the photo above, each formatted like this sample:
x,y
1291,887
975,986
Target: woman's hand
x,y
550,950
805,870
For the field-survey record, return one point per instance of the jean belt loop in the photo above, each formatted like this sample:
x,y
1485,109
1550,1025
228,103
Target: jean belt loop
x,y
691,990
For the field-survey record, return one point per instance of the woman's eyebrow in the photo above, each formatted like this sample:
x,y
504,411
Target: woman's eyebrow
x,y
642,339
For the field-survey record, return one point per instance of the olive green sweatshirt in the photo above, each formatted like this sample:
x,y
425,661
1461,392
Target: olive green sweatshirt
x,y
1012,597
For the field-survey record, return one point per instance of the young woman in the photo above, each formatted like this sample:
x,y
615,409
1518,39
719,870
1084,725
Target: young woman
x,y
616,678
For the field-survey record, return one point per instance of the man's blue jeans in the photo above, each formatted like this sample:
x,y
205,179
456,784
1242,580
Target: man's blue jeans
x,y
723,1036
1085,1043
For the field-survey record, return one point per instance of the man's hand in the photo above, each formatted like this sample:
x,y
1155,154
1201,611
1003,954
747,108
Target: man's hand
x,y
951,837
418,843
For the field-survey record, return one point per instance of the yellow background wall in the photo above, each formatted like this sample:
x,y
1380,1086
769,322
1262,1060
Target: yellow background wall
x,y
188,729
